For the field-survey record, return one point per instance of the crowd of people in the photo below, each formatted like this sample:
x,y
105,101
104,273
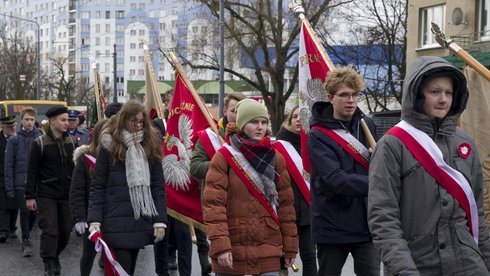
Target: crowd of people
x,y
413,201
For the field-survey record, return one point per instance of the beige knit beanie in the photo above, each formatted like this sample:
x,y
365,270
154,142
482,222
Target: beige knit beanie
x,y
247,110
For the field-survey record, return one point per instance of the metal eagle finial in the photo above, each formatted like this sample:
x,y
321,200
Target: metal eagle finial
x,y
439,35
296,6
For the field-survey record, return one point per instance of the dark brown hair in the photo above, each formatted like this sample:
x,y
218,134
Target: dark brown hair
x,y
151,143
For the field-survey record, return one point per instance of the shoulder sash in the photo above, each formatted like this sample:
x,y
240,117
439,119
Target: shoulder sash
x,y
425,150
349,143
294,164
210,141
248,175
90,160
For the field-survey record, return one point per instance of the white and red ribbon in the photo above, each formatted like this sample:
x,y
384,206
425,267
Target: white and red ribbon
x,y
210,141
349,143
90,160
294,164
111,266
425,150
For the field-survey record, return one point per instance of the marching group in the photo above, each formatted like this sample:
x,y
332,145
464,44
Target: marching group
x,y
413,201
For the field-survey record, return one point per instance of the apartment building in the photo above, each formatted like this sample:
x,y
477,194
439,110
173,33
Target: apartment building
x,y
86,30
467,22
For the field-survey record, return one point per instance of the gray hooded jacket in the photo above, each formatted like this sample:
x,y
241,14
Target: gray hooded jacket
x,y
418,227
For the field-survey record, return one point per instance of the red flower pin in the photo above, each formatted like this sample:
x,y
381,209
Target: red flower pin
x,y
464,150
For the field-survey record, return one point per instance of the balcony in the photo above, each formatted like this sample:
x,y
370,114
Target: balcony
x,y
479,41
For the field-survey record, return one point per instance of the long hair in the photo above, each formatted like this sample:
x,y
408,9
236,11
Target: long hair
x,y
93,147
288,123
122,120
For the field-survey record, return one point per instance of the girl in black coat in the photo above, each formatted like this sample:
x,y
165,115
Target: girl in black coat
x,y
127,196
84,158
290,132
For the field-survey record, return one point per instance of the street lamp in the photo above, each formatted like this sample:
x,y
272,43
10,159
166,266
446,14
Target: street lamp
x,y
38,53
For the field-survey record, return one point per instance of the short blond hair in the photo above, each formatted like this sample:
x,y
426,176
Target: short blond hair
x,y
344,76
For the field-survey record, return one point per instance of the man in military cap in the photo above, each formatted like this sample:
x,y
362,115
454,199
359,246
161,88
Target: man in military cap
x,y
48,185
8,206
80,134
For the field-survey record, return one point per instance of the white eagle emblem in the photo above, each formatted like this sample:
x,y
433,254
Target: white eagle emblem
x,y
176,169
315,93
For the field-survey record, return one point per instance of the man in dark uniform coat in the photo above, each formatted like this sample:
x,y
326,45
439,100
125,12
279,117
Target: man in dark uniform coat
x,y
8,206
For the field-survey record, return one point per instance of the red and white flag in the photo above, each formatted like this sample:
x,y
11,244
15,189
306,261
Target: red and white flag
x,y
185,119
314,64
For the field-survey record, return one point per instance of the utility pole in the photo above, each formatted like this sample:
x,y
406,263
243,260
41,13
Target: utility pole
x,y
115,75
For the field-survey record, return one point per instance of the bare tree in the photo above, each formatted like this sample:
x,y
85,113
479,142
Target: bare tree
x,y
18,70
63,87
266,37
375,42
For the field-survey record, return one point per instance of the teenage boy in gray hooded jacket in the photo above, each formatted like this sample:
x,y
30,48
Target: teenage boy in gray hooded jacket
x,y
417,221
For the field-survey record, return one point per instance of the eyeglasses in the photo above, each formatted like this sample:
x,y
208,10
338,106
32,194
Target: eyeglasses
x,y
138,122
346,96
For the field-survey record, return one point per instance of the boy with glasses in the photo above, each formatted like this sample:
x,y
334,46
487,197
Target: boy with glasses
x,y
339,157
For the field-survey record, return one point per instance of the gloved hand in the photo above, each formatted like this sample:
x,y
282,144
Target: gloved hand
x,y
94,226
159,233
80,227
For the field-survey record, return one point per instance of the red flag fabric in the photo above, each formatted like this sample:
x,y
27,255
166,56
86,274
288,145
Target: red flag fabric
x,y
314,64
185,119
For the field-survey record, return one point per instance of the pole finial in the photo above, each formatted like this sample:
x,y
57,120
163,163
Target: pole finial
x,y
439,35
296,6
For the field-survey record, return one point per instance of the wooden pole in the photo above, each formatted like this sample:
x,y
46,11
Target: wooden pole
x,y
194,94
367,133
462,54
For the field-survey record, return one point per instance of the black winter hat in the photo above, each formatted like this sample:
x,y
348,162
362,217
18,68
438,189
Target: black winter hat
x,y
112,109
55,111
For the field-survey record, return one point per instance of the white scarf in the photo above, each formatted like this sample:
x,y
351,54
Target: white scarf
x,y
138,175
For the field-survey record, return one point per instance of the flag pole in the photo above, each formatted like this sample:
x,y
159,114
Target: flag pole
x,y
296,6
152,86
194,94
462,54
99,98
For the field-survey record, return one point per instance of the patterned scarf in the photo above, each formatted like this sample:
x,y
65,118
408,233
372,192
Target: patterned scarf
x,y
262,157
138,175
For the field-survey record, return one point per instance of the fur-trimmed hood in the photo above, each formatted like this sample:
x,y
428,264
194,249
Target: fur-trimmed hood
x,y
106,140
78,152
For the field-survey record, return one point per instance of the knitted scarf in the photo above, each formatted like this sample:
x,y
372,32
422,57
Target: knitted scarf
x,y
262,156
138,175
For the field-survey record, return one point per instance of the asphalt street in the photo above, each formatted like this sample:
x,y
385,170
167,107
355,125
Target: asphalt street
x,y
12,263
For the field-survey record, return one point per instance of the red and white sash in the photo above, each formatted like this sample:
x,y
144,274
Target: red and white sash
x,y
111,266
430,157
349,143
294,164
249,177
90,160
210,141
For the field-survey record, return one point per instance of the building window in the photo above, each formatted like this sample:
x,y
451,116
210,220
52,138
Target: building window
x,y
434,14
483,20
107,14
119,14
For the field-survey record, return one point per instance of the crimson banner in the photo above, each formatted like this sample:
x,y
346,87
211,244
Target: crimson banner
x,y
185,119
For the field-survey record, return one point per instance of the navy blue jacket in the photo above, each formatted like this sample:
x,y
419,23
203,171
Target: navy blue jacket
x,y
16,157
339,184
110,204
